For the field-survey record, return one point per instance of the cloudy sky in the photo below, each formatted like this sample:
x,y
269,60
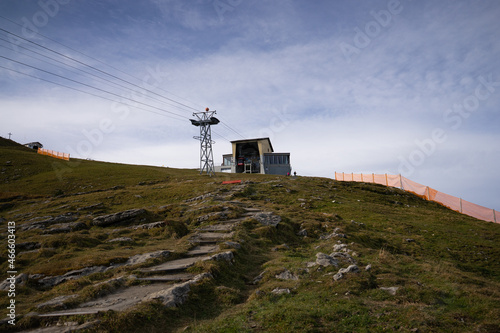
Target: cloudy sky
x,y
410,87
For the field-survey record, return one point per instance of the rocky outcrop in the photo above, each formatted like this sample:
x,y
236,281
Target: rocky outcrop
x,y
267,219
51,281
152,225
56,303
325,260
45,221
178,293
19,280
287,275
343,271
140,258
65,228
125,216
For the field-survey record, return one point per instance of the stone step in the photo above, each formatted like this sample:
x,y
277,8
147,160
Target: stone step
x,y
204,249
226,226
118,301
174,265
168,278
210,237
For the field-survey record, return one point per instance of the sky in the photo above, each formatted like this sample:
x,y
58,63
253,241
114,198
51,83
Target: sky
x,y
399,87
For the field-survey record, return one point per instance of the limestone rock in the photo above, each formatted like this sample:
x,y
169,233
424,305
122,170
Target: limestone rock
x,y
121,239
340,247
287,275
325,260
390,290
350,269
227,256
51,281
56,303
150,225
19,280
140,258
28,246
280,291
343,256
234,245
178,293
302,233
65,228
106,220
268,219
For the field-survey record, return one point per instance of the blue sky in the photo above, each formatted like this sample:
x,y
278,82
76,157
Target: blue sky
x,y
409,87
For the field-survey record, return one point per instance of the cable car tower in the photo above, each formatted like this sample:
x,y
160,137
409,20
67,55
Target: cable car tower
x,y
203,121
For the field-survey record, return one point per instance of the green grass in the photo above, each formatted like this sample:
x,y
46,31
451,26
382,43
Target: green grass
x,y
445,264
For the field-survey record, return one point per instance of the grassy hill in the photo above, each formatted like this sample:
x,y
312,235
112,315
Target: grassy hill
x,y
420,267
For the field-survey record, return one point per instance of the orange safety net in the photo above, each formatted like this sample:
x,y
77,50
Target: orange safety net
x,y
454,203
52,153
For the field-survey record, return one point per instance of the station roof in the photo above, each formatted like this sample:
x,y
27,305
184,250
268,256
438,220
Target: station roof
x,y
253,140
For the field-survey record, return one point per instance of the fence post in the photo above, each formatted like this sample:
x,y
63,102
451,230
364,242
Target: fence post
x,y
495,216
373,177
386,180
361,177
428,193
401,182
460,205
343,176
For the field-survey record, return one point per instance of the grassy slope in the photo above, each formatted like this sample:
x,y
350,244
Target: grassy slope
x,y
448,274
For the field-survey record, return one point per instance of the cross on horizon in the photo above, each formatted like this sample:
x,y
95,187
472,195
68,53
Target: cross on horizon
x,y
10,134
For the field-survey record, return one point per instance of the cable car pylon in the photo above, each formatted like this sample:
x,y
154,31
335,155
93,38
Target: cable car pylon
x,y
204,120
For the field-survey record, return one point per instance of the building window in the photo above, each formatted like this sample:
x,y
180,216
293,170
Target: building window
x,y
277,159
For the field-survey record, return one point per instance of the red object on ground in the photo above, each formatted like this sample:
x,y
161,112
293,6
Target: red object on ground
x,y
231,182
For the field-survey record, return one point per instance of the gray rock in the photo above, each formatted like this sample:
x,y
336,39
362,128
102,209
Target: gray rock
x,y
390,290
287,275
121,239
178,293
280,291
201,197
234,245
140,258
343,256
152,225
267,219
302,233
259,277
340,247
125,216
56,303
227,256
368,267
28,246
51,281
43,222
18,280
325,260
350,269
212,216
338,276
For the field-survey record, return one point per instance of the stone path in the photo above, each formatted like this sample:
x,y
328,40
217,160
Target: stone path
x,y
169,282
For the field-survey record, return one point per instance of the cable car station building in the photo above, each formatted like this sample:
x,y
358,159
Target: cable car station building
x,y
255,156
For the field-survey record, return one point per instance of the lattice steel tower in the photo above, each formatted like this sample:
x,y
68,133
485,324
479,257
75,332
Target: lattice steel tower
x,y
204,121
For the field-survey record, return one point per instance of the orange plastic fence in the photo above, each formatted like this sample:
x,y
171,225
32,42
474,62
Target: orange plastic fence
x,y
457,204
52,153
